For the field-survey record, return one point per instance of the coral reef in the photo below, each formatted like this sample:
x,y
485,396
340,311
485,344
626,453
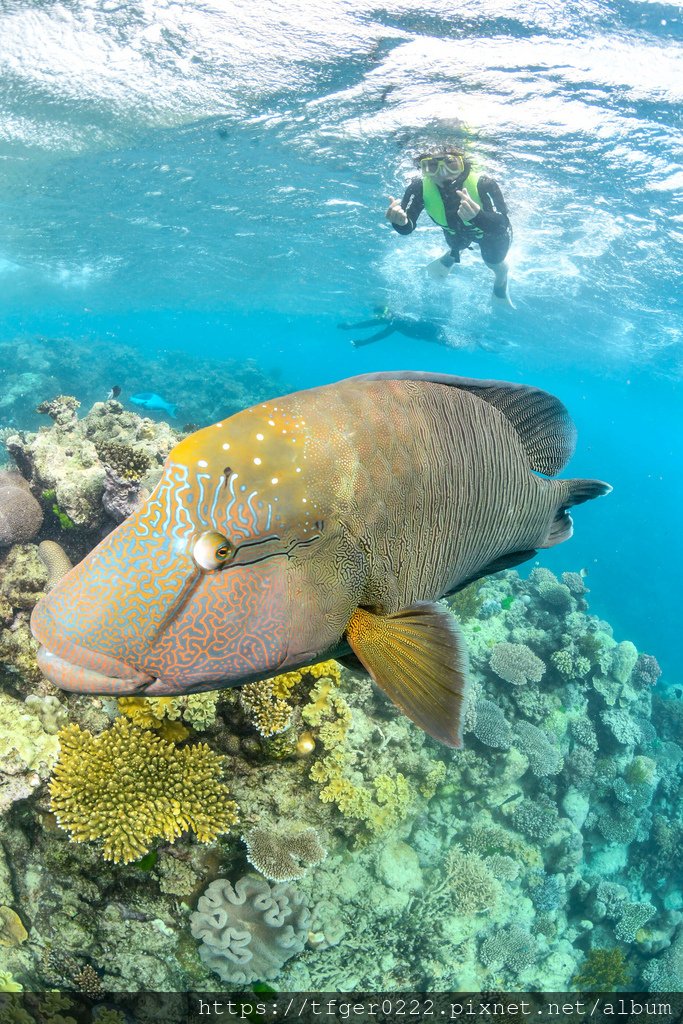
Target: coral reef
x,y
543,855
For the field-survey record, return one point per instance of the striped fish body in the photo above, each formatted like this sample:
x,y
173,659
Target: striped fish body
x,y
326,521
441,488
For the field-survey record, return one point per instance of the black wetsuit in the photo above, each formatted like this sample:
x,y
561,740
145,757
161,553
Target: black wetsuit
x,y
492,220
421,330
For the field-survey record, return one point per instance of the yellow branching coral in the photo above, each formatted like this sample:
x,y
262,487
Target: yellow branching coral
x,y
268,713
268,703
163,713
379,805
128,787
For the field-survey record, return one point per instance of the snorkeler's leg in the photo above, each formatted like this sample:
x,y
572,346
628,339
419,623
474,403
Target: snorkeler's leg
x,y
500,285
358,342
494,250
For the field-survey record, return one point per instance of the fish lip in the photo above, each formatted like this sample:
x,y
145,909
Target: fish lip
x,y
70,666
74,678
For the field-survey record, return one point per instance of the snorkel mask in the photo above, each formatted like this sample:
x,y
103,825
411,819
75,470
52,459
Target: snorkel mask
x,y
451,163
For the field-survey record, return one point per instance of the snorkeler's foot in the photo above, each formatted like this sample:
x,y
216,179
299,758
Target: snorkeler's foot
x,y
441,268
501,296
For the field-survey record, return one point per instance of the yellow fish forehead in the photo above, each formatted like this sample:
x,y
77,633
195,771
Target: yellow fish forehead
x,y
262,459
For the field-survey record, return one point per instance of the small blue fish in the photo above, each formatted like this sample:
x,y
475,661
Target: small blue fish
x,y
150,400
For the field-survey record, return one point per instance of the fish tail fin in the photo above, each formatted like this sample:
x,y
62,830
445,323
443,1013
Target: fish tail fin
x,y
418,657
571,492
173,411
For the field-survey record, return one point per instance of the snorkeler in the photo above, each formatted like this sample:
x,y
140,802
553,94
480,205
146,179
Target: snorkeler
x,y
469,207
422,330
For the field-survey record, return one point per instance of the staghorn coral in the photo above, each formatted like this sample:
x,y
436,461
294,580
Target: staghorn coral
x,y
269,703
534,819
467,603
549,892
550,591
247,933
268,713
128,787
623,727
20,514
164,713
516,664
665,972
471,885
283,854
55,560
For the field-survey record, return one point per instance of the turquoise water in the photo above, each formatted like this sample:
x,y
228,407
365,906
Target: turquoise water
x,y
210,182
231,202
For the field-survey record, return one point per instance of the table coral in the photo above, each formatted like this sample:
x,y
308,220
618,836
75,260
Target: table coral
x,y
128,787
282,854
516,664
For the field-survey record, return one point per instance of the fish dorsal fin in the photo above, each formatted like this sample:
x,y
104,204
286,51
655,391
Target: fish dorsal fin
x,y
543,423
417,657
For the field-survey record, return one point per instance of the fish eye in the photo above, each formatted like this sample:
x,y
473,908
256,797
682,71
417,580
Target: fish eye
x,y
211,550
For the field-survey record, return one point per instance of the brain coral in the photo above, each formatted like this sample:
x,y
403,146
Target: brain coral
x,y
250,931
20,514
516,664
128,787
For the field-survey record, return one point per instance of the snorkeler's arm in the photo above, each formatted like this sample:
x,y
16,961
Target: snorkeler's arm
x,y
413,205
361,324
493,216
374,337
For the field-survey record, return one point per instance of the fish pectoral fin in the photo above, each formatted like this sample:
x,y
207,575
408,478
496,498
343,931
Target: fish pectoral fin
x,y
417,657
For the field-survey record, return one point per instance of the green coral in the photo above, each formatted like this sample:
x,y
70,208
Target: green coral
x,y
603,970
65,521
125,461
128,787
467,603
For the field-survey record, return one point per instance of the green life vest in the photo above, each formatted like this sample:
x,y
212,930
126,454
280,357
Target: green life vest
x,y
433,201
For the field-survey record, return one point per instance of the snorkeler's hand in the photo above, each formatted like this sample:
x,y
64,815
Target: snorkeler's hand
x,y
396,214
468,209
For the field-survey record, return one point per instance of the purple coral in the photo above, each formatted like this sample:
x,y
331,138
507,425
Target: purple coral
x,y
20,514
646,670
